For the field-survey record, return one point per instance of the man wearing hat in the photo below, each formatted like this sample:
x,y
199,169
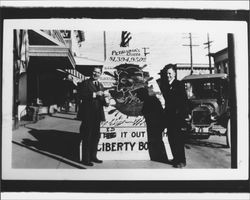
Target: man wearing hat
x,y
175,97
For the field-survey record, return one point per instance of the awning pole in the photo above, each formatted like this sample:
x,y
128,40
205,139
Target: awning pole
x,y
37,78
104,40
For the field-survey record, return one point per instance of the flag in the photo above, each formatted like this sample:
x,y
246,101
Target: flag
x,y
24,53
80,37
21,50
125,38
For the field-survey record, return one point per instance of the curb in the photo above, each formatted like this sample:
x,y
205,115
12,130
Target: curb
x,y
56,157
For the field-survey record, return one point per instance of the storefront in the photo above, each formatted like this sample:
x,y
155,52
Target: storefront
x,y
46,84
38,82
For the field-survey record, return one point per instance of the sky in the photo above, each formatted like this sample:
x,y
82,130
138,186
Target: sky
x,y
160,43
164,47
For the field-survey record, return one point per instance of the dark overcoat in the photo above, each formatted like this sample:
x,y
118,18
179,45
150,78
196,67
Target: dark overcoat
x,y
175,102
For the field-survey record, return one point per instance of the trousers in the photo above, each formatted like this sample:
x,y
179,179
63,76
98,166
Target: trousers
x,y
90,136
176,142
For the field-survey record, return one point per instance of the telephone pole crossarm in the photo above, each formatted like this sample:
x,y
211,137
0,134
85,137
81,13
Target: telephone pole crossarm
x,y
190,45
208,45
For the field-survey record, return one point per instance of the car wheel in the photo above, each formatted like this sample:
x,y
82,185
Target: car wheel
x,y
228,134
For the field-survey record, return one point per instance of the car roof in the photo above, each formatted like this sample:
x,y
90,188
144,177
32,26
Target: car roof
x,y
205,76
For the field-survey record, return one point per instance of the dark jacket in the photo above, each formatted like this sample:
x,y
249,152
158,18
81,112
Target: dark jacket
x,y
175,101
90,107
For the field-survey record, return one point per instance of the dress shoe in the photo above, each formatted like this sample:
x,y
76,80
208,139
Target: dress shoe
x,y
183,164
96,160
87,163
179,165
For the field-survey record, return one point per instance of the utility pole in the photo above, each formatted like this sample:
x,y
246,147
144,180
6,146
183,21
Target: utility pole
x,y
105,45
208,44
191,45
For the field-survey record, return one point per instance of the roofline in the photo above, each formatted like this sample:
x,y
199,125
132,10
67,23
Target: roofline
x,y
82,61
207,76
219,52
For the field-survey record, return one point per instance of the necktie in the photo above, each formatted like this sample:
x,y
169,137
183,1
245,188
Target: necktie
x,y
96,84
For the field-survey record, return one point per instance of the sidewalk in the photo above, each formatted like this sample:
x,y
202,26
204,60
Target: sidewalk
x,y
52,143
35,144
41,144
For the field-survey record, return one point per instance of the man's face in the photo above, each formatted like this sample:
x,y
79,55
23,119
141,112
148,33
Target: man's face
x,y
96,73
170,74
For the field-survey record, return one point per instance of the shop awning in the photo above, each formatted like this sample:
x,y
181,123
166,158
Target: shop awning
x,y
48,48
52,56
46,38
85,65
71,77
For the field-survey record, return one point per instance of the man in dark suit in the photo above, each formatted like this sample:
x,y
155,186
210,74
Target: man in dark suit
x,y
175,112
91,93
153,113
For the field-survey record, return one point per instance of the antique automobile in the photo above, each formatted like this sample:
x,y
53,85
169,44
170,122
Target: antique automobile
x,y
208,106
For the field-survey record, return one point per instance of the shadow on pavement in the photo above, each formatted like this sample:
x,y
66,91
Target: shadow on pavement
x,y
204,143
50,155
61,143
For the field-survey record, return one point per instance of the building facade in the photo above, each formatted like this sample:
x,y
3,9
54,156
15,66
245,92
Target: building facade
x,y
184,69
44,71
221,61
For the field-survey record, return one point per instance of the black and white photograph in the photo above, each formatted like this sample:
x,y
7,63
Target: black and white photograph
x,y
125,99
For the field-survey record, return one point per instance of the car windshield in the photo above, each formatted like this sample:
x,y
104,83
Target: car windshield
x,y
202,89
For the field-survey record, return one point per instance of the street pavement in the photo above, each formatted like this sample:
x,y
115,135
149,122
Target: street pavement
x,y
51,143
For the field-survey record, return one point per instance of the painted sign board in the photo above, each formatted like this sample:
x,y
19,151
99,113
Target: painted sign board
x,y
124,133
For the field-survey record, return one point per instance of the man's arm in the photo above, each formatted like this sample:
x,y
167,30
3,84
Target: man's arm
x,y
86,92
105,97
182,99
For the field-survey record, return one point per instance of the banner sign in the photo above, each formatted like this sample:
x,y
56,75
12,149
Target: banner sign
x,y
126,143
123,143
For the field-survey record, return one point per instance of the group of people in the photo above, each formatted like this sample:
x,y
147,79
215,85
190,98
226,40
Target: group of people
x,y
157,119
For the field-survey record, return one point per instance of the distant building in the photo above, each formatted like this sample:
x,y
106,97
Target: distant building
x,y
184,69
221,61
